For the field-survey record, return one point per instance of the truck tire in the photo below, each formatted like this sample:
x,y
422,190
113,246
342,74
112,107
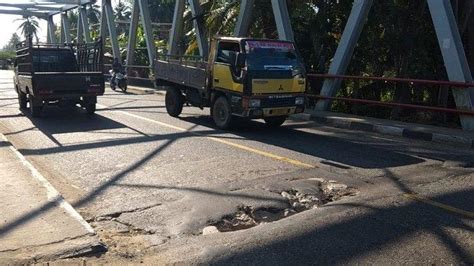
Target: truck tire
x,y
222,113
275,121
35,108
90,108
22,100
174,101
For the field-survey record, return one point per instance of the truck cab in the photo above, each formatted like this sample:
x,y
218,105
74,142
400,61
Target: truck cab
x,y
267,76
243,77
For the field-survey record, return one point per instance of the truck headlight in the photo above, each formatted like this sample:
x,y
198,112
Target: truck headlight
x,y
299,100
254,103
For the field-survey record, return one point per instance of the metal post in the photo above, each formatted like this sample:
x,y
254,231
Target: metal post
x,y
103,23
177,29
132,41
65,28
350,36
62,37
80,32
112,30
454,56
282,19
196,10
244,19
146,22
51,30
85,24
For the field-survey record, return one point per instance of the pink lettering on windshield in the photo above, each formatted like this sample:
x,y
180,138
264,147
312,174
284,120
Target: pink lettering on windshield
x,y
270,44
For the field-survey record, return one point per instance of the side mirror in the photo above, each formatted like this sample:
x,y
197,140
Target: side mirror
x,y
240,60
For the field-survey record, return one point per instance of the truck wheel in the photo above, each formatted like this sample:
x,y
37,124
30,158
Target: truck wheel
x,y
275,121
35,108
222,113
90,108
174,102
22,100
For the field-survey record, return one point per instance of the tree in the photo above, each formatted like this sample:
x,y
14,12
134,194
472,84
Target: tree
x,y
11,45
122,16
29,27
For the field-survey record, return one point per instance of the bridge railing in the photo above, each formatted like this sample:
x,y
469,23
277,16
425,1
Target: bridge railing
x,y
455,85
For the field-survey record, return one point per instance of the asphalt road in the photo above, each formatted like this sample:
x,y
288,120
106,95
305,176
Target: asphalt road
x,y
149,184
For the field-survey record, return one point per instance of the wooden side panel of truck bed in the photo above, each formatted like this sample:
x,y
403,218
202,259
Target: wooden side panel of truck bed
x,y
176,72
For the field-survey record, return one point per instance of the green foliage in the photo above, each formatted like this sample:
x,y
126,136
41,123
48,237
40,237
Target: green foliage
x,y
7,55
29,27
11,45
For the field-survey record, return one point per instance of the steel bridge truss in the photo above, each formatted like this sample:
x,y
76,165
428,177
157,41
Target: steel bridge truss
x,y
441,12
449,40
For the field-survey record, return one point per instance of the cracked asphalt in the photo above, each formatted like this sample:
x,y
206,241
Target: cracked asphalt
x,y
149,184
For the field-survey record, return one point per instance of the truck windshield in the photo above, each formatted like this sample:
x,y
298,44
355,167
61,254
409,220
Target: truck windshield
x,y
272,55
54,61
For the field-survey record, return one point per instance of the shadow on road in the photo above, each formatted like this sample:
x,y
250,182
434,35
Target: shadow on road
x,y
361,153
338,243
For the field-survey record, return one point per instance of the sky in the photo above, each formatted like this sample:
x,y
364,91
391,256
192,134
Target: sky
x,y
8,25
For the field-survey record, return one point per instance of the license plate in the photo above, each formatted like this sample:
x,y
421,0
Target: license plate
x,y
279,111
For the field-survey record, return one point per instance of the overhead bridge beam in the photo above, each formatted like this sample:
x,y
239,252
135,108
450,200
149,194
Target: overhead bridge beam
x,y
26,13
65,2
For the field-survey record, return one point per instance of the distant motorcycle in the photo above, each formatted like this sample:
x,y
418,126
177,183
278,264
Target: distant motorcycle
x,y
120,81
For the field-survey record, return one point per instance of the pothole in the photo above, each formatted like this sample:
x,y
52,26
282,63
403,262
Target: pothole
x,y
248,216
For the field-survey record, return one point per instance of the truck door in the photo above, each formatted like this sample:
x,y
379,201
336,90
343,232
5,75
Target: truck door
x,y
224,75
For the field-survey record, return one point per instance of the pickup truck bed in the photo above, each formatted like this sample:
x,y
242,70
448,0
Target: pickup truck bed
x,y
63,74
65,83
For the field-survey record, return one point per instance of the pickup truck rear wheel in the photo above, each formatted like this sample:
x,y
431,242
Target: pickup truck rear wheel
x,y
35,107
275,121
90,108
22,100
174,101
222,113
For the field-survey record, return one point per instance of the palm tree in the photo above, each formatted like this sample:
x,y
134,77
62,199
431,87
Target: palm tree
x,y
29,27
94,13
122,14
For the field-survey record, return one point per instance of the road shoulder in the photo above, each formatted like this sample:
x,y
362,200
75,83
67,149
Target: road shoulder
x,y
37,223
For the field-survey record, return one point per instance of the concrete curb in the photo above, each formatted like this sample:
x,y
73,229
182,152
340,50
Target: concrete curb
x,y
397,130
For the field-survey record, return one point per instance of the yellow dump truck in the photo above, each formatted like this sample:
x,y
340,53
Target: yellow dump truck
x,y
243,77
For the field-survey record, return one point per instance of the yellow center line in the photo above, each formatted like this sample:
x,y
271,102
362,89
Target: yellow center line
x,y
439,205
228,143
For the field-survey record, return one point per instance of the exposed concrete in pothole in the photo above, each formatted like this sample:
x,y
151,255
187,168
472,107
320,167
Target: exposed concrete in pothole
x,y
306,195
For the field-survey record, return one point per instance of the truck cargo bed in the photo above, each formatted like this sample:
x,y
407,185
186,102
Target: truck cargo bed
x,y
178,72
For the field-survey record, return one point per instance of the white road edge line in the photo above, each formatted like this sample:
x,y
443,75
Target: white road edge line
x,y
52,193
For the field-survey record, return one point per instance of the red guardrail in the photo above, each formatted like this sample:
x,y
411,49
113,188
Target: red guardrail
x,y
458,85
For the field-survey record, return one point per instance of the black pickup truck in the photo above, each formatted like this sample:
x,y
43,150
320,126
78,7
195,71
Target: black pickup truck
x,y
63,74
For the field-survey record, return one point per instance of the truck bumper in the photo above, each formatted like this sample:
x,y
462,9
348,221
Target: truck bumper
x,y
256,113
276,105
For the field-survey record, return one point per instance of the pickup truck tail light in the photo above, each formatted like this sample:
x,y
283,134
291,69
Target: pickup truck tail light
x,y
94,88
